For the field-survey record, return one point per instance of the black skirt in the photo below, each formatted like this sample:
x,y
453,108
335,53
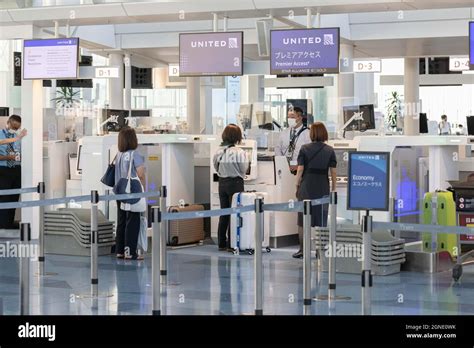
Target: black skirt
x,y
315,186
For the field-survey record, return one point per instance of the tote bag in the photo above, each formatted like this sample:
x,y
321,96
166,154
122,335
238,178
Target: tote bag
x,y
129,184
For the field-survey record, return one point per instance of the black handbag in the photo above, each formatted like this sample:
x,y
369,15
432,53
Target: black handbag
x,y
109,177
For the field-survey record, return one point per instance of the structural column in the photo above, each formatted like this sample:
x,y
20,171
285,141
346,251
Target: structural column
x,y
128,82
116,85
364,88
345,82
252,89
193,104
411,123
206,106
32,147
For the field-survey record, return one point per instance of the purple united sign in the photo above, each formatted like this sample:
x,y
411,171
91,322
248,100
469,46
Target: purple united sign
x,y
304,51
471,44
211,54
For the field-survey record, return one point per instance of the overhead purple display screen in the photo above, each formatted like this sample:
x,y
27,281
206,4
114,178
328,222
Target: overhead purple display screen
x,y
471,44
304,51
51,59
211,54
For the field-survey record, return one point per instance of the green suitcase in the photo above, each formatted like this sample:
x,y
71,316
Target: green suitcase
x,y
427,216
445,216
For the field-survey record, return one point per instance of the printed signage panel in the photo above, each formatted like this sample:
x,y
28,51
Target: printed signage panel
x,y
368,181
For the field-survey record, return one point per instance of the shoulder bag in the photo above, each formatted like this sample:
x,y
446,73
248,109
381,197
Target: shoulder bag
x,y
109,177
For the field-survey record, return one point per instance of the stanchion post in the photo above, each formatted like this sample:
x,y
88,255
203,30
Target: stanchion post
x,y
392,208
94,244
156,260
164,235
42,193
25,238
332,243
107,206
258,271
307,252
366,264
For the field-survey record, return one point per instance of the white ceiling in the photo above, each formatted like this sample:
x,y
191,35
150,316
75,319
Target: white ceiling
x,y
379,28
170,10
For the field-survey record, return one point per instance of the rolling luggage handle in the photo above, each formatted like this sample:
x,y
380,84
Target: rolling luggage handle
x,y
239,226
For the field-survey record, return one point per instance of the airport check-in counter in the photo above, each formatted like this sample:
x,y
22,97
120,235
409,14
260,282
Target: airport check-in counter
x,y
419,164
169,159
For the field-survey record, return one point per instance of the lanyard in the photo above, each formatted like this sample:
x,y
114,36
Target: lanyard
x,y
294,139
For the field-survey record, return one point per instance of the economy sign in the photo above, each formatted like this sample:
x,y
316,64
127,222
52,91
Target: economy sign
x,y
369,181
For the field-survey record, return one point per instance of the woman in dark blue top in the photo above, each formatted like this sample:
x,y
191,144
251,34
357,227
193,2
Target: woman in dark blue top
x,y
315,161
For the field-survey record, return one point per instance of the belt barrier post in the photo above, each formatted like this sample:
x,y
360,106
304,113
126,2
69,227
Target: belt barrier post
x,y
94,244
258,272
366,265
307,253
332,243
42,193
156,260
392,208
163,236
107,206
25,238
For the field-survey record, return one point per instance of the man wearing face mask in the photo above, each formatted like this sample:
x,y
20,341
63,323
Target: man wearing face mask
x,y
292,138
10,169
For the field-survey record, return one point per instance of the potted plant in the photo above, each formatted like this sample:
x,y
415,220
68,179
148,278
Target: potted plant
x,y
394,109
66,97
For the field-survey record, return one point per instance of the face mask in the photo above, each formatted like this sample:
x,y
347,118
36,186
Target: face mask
x,y
291,122
12,131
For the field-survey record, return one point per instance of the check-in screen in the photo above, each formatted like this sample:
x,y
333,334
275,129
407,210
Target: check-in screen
x,y
51,59
342,158
249,152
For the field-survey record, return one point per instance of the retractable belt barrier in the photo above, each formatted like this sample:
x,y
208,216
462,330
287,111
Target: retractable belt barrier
x,y
94,198
296,206
75,199
159,245
422,228
19,191
159,269
207,213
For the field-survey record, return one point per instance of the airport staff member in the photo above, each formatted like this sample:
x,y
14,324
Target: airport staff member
x,y
10,167
231,164
315,162
292,138
444,126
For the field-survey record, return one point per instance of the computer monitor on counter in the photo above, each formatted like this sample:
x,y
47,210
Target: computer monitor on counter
x,y
470,125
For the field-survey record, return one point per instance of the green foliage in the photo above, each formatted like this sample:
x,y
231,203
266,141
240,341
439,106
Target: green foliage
x,y
394,108
66,97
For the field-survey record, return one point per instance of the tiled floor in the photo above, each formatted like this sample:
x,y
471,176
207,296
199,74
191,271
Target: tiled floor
x,y
204,281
